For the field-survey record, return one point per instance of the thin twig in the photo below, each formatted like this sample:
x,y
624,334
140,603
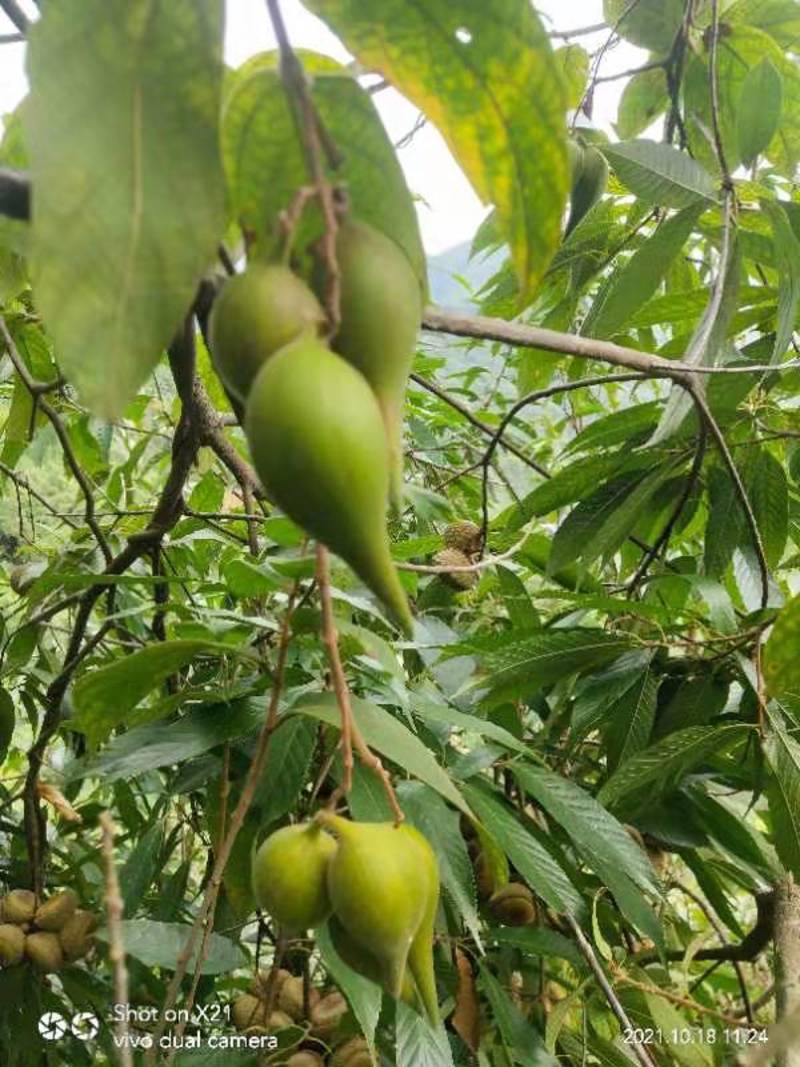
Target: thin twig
x,y
205,915
16,15
116,947
351,735
588,953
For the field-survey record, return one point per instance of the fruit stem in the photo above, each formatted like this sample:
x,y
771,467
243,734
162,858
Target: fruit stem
x,y
351,735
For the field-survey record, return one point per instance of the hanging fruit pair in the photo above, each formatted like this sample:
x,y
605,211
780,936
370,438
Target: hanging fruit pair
x,y
589,173
380,891
324,429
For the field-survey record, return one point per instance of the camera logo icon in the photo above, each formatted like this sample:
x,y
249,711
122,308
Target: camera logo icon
x,y
53,1026
84,1026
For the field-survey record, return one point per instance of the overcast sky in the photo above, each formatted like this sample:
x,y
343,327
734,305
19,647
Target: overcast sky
x,y
449,211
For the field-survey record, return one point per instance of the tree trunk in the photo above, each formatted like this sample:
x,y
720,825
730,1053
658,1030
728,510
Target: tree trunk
x,y
787,960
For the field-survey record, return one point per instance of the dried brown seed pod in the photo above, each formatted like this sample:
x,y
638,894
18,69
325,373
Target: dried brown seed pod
x,y
52,915
248,1011
327,1014
464,535
76,934
454,557
43,949
513,905
259,987
19,906
291,1000
353,1053
12,945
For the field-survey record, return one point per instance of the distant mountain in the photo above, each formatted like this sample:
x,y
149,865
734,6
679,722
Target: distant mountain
x,y
454,277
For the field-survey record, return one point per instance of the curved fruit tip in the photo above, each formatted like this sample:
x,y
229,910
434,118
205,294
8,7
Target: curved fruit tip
x,y
381,576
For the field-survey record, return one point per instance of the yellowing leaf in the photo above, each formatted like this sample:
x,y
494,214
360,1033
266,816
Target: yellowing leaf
x,y
486,75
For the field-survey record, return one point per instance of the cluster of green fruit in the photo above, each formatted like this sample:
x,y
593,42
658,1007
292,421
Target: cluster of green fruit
x,y
48,935
376,884
463,542
589,178
321,1013
324,422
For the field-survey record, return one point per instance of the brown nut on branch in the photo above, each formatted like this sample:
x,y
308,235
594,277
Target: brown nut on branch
x,y
513,905
291,998
19,906
353,1053
465,536
52,915
305,1058
76,934
458,579
327,1015
44,951
12,945
248,1011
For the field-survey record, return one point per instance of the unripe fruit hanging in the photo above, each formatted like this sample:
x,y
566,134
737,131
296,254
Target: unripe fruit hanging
x,y
381,881
381,311
12,944
319,446
19,906
290,876
513,905
54,912
44,952
256,313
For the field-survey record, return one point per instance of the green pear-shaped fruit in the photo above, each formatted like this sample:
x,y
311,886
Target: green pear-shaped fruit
x,y
290,875
319,446
361,960
381,312
256,313
420,955
380,885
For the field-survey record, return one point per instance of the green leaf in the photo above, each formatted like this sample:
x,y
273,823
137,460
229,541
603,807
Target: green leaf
x,y
638,280
363,996
517,602
288,760
390,737
417,1043
130,194
663,765
660,174
528,849
783,792
525,662
104,697
599,524
537,941
141,867
650,24
787,251
524,1044
759,110
643,99
145,748
160,944
781,662
629,725
486,76
623,427
259,137
767,489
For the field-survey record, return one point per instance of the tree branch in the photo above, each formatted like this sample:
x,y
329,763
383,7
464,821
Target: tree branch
x,y
15,15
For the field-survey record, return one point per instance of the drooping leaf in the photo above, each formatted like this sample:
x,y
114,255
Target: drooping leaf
x,y
523,1042
650,24
157,944
787,250
643,99
487,77
363,996
391,738
783,792
129,195
781,662
759,110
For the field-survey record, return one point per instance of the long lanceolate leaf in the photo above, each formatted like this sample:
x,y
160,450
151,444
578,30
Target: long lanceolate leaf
x,y
486,75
